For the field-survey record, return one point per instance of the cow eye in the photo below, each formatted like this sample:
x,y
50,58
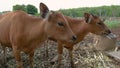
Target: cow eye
x,y
99,23
60,24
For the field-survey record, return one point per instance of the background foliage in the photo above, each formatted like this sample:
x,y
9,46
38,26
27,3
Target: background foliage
x,y
30,9
103,11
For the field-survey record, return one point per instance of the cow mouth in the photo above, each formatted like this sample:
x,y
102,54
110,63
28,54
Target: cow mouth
x,y
111,36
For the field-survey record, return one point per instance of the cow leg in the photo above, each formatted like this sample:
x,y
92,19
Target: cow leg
x,y
31,55
4,55
71,57
16,53
60,51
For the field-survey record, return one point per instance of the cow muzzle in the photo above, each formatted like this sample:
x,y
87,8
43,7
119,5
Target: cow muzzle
x,y
109,34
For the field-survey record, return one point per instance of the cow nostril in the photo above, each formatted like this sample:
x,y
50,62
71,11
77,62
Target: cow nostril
x,y
74,38
108,31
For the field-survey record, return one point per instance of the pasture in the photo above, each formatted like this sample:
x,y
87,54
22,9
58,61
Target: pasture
x,y
113,22
85,55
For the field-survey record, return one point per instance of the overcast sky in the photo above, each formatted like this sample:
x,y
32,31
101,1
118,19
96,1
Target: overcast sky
x,y
6,5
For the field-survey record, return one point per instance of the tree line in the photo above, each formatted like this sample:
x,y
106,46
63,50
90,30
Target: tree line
x,y
103,11
30,9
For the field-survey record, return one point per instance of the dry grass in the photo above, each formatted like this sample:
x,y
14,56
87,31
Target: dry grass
x,y
85,56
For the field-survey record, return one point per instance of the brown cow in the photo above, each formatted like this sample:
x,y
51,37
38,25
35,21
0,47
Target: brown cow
x,y
25,33
81,27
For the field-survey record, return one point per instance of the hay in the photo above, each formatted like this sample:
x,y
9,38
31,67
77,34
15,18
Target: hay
x,y
85,56
88,57
104,43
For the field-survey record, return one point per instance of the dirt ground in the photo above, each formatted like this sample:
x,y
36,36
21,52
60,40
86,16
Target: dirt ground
x,y
85,56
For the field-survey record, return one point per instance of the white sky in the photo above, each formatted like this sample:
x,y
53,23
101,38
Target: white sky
x,y
6,5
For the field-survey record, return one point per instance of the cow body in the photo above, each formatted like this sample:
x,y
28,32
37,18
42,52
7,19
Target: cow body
x,y
81,27
14,28
25,33
90,24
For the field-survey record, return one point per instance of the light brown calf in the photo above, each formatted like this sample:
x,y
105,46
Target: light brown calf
x,y
25,33
81,27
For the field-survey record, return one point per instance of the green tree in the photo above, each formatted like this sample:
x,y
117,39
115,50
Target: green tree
x,y
19,7
31,9
103,11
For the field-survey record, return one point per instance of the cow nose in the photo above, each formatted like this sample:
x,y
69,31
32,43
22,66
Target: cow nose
x,y
74,38
108,31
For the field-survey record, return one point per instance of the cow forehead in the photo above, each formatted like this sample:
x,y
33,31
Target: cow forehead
x,y
98,20
61,17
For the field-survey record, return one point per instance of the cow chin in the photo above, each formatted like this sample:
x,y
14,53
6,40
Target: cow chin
x,y
99,33
65,39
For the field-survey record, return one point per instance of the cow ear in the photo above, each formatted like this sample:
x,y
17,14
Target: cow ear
x,y
88,17
44,10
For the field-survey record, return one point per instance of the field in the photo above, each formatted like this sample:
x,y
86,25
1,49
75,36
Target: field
x,y
113,22
85,55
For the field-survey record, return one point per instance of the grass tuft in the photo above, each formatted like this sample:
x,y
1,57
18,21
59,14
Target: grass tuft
x,y
113,23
